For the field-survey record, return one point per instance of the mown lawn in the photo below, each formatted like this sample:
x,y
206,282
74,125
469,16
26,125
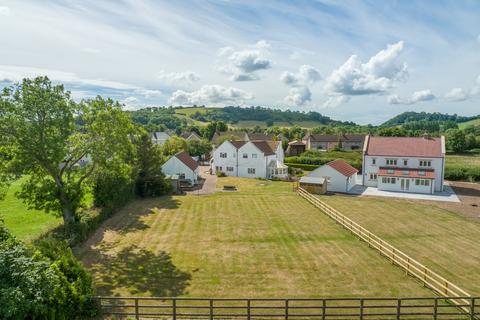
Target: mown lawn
x,y
445,241
262,241
24,223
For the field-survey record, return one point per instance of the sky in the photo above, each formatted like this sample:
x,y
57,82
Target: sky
x,y
361,61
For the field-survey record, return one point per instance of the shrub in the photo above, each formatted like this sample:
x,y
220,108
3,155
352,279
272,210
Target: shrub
x,y
308,167
46,283
220,174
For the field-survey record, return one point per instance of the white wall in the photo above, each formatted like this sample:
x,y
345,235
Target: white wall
x,y
229,161
175,166
259,163
438,166
337,181
412,187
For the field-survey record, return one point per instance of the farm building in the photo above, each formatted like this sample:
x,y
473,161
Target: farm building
x,y
184,166
295,148
340,176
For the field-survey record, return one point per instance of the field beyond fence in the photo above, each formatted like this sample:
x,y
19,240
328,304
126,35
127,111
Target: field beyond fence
x,y
342,308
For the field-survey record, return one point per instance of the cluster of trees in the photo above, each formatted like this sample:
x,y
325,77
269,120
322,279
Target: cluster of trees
x,y
412,116
159,119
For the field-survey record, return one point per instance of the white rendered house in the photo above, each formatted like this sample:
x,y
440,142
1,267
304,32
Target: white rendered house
x,y
183,165
404,164
340,176
250,159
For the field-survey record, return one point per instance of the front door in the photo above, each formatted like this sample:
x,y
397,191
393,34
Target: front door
x,y
405,184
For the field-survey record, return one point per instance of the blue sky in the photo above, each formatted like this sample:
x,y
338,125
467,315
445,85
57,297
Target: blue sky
x,y
363,61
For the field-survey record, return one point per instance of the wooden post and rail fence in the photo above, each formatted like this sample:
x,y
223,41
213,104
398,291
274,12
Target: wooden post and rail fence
x,y
412,267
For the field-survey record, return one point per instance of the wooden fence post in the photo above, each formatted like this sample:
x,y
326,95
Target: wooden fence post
x,y
248,309
174,309
399,306
324,309
361,309
435,308
472,308
286,309
137,315
211,309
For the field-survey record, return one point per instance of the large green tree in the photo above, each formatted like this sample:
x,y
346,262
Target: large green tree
x,y
58,144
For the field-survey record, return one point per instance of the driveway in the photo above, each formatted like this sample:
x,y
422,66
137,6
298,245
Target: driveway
x,y
207,182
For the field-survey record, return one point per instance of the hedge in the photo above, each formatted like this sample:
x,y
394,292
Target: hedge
x,y
455,172
308,167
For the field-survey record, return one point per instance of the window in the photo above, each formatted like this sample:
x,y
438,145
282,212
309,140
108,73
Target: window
x,y
390,171
391,162
374,161
422,182
405,172
251,170
373,176
405,162
425,163
230,169
421,172
254,156
223,154
390,180
245,155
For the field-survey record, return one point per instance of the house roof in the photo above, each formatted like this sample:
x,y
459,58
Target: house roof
x,y
334,138
260,136
405,146
267,147
407,172
160,135
277,164
237,144
296,143
342,167
312,180
187,134
187,160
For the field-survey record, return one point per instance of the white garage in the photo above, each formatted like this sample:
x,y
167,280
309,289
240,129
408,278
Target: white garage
x,y
340,176
182,165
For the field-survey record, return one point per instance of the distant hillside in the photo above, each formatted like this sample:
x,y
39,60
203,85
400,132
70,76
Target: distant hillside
x,y
412,116
235,115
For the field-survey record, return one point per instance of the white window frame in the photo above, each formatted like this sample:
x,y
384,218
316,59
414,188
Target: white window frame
x,y
391,162
230,169
245,156
254,156
251,170
223,155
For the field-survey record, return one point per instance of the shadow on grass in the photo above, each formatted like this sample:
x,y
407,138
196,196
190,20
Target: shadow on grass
x,y
141,272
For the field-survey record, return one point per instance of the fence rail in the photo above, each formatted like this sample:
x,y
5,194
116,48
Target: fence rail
x,y
324,309
429,278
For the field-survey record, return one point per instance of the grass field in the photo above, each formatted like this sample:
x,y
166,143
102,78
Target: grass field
x,y
190,111
475,122
262,241
463,160
24,223
445,241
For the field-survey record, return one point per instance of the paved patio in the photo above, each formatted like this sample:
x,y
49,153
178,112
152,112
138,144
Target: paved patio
x,y
447,195
207,184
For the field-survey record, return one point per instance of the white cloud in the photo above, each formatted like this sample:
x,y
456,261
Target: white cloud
x,y
305,75
378,75
457,94
147,93
417,96
298,96
91,50
178,78
4,11
335,101
210,94
243,64
130,100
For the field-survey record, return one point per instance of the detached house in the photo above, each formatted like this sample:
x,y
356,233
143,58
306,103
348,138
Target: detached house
x,y
329,141
404,164
250,159
159,137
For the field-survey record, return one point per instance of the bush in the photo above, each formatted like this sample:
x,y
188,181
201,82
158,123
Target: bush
x,y
307,167
220,174
462,172
112,190
46,283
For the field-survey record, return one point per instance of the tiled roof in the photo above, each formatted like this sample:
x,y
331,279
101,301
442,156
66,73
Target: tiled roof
x,y
404,147
187,160
407,172
267,147
342,167
238,144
